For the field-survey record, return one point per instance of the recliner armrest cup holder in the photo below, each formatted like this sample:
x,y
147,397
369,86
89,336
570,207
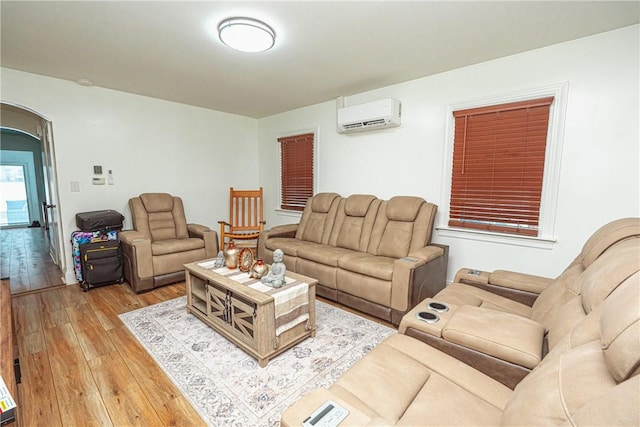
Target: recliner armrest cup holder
x,y
427,316
437,307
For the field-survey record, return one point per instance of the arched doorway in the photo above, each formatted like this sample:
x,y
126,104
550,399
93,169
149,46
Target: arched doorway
x,y
19,120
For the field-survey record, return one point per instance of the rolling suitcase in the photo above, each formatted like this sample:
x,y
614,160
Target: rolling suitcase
x,y
79,238
99,220
101,264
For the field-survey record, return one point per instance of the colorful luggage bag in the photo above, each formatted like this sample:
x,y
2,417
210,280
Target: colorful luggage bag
x,y
79,238
101,264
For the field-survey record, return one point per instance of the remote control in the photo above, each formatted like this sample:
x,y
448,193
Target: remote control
x,y
330,414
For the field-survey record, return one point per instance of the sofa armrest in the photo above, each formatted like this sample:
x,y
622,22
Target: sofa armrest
x,y
287,230
520,281
419,275
520,287
507,279
137,247
503,335
493,342
297,413
209,236
130,236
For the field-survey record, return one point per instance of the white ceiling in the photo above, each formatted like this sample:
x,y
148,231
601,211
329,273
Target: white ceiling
x,y
323,50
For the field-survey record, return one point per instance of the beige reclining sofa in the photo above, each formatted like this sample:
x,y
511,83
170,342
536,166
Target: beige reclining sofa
x,y
588,377
507,346
370,254
509,353
529,295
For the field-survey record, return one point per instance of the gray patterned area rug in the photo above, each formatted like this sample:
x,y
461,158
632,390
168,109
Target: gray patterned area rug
x,y
226,385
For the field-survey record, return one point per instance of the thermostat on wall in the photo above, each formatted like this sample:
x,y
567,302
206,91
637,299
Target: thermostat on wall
x,y
97,181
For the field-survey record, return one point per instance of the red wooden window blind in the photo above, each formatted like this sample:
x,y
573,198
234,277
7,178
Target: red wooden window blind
x,y
296,166
498,166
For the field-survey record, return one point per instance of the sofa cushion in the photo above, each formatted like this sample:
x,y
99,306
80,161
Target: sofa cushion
x,y
354,222
404,208
592,287
606,236
619,406
620,327
403,224
358,204
475,328
403,381
172,263
287,245
161,215
318,217
368,265
321,202
461,294
555,294
608,271
157,202
324,254
555,390
368,288
396,239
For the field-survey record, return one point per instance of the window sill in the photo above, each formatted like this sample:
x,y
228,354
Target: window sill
x,y
292,214
506,239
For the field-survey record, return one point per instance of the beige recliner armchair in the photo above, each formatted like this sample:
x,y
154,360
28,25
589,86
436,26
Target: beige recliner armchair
x,y
162,242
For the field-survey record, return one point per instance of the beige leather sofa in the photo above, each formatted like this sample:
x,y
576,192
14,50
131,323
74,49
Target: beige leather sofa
x,y
528,331
162,242
529,295
370,254
588,377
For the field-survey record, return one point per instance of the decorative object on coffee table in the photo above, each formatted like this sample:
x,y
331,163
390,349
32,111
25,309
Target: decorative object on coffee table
x,y
231,256
245,259
259,269
275,277
219,261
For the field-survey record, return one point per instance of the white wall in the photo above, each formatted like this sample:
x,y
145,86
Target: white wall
x,y
154,145
151,145
599,176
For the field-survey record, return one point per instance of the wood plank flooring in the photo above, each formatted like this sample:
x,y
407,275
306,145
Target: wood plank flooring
x,y
24,257
81,366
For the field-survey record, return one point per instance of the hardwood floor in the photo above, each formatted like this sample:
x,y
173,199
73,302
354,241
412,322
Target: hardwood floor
x,y
81,366
24,258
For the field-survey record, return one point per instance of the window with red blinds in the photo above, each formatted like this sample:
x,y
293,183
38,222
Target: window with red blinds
x,y
498,166
296,166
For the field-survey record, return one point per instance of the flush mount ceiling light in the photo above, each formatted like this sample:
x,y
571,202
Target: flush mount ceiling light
x,y
246,34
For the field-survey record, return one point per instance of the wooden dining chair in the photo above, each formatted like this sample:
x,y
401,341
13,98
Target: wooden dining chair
x,y
246,218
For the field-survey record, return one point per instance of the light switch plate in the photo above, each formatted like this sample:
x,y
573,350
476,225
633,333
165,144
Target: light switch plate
x,y
75,186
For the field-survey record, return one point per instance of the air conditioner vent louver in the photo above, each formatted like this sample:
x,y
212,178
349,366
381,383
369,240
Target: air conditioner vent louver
x,y
369,116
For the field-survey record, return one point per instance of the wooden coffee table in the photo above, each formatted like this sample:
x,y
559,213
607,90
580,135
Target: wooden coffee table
x,y
256,320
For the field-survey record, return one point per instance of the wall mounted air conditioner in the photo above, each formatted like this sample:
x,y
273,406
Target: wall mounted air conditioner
x,y
372,115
